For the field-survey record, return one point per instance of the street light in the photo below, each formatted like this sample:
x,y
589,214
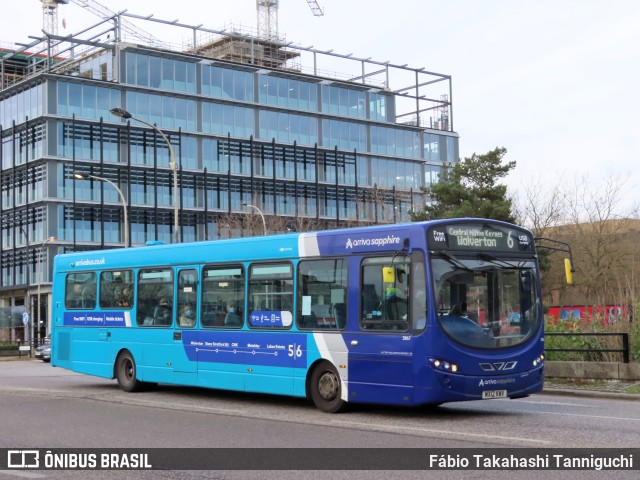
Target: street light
x,y
122,113
264,224
84,176
40,280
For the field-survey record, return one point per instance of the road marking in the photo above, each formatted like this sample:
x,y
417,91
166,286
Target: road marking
x,y
447,433
561,404
563,414
581,415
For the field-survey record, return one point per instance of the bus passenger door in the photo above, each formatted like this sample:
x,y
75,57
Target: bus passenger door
x,y
185,334
381,354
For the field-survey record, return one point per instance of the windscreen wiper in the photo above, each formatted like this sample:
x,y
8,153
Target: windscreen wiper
x,y
453,260
500,262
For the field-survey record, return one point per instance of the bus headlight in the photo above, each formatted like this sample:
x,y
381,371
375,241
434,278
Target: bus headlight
x,y
443,365
538,361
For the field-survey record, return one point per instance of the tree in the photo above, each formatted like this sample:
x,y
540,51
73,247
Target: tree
x,y
542,208
603,236
470,189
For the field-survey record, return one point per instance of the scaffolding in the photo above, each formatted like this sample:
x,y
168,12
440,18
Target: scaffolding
x,y
423,98
250,50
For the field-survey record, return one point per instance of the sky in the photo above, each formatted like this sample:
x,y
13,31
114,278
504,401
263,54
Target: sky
x,y
555,82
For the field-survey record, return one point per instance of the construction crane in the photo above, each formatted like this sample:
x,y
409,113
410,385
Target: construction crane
x,y
50,19
50,15
268,17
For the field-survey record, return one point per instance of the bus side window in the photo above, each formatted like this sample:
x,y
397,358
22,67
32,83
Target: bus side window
x,y
116,289
80,290
418,293
222,296
385,280
270,295
322,287
154,306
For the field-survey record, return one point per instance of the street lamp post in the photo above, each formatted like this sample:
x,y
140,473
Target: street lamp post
x,y
122,113
83,176
40,280
264,224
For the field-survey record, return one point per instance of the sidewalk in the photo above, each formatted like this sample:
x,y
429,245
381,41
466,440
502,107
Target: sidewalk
x,y
605,388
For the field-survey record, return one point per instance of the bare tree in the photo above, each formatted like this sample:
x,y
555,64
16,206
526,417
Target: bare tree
x,y
602,234
541,207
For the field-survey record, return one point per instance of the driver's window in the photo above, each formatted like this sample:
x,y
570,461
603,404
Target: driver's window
x,y
384,303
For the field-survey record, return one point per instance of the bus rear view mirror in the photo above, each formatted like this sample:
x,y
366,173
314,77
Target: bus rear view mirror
x,y
388,275
568,271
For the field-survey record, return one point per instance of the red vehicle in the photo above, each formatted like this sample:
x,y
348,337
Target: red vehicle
x,y
610,314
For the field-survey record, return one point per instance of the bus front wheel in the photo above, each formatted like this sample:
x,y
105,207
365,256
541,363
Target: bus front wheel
x,y
326,389
126,373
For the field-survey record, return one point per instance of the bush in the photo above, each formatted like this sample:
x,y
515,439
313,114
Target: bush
x,y
9,345
596,324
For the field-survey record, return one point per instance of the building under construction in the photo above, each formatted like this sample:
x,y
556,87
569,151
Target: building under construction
x,y
219,128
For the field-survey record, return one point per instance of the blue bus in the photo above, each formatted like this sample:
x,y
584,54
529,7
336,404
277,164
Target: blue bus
x,y
409,314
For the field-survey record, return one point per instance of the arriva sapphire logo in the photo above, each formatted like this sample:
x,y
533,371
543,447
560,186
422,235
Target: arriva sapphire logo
x,y
372,242
496,381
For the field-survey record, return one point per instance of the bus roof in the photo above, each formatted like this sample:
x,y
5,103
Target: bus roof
x,y
369,239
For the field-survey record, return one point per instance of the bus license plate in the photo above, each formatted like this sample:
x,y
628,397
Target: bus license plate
x,y
489,394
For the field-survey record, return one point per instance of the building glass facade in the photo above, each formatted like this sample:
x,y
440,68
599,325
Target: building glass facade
x,y
298,145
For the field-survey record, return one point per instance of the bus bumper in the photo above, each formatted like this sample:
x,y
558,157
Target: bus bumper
x,y
458,387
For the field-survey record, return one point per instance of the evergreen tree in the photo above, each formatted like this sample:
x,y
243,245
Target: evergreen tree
x,y
470,189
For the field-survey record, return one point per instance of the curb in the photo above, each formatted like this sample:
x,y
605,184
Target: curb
x,y
591,393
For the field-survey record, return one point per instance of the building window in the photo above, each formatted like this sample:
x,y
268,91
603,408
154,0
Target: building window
x,y
162,73
228,120
343,101
288,127
288,92
163,110
227,83
344,135
86,101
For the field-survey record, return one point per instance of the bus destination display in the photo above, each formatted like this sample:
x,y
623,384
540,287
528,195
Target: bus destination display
x,y
478,237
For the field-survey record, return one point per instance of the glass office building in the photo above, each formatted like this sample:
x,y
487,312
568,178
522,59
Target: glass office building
x,y
305,137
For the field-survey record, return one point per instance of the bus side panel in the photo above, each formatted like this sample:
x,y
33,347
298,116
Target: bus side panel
x,y
381,368
83,350
151,349
332,348
243,360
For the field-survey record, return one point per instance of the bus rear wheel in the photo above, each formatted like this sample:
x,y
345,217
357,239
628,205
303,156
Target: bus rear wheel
x,y
326,389
126,373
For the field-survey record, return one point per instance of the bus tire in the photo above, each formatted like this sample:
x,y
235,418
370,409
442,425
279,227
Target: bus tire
x,y
126,373
326,389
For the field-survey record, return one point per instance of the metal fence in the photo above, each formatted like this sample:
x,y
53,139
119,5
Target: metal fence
x,y
15,349
624,350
